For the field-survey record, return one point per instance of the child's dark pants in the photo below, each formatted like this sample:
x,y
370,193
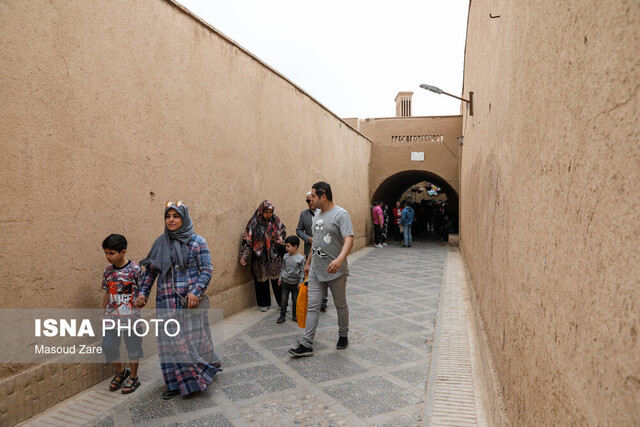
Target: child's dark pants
x,y
284,298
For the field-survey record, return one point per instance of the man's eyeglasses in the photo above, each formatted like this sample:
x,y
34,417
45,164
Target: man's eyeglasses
x,y
308,201
169,203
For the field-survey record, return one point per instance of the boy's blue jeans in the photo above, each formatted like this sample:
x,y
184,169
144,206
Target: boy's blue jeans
x,y
407,235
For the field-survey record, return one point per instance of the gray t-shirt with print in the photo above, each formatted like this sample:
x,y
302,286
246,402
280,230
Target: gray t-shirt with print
x,y
329,230
292,271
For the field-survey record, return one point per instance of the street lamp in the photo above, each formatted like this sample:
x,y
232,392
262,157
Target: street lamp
x,y
440,91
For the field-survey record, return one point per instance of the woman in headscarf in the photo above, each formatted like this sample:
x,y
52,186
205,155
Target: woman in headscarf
x,y
180,259
263,242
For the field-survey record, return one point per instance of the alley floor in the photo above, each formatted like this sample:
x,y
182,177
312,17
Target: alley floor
x,y
408,362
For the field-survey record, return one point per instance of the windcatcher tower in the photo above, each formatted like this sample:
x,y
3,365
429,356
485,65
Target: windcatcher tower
x,y
403,104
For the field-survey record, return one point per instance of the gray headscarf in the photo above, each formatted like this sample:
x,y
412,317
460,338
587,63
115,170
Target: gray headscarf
x,y
162,253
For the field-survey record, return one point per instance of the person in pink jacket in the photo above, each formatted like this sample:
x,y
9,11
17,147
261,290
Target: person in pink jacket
x,y
378,222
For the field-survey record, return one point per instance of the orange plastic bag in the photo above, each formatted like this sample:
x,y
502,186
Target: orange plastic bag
x,y
301,304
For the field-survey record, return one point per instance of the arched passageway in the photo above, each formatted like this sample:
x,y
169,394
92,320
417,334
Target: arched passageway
x,y
392,188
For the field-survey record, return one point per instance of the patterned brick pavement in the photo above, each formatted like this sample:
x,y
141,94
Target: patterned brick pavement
x,y
385,378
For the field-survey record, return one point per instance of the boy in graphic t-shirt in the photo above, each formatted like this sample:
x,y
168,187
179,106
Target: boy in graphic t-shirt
x,y
121,281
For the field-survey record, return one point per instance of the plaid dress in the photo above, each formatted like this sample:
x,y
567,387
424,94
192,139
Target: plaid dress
x,y
186,359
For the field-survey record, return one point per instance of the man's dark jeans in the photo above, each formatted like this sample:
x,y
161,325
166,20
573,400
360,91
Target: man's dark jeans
x,y
377,233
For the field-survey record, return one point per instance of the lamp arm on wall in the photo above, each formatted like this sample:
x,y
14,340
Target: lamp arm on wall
x,y
440,91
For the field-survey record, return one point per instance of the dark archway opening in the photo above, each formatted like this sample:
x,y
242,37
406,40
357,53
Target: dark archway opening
x,y
392,189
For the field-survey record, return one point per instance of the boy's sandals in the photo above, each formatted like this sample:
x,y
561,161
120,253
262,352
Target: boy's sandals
x,y
118,379
131,385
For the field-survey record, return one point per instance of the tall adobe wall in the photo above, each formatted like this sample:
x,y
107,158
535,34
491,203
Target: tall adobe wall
x,y
549,207
111,108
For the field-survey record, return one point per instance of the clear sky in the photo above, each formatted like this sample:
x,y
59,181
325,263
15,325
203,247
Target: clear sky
x,y
353,56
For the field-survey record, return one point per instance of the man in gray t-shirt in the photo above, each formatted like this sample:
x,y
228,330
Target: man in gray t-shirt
x,y
327,266
330,229
305,232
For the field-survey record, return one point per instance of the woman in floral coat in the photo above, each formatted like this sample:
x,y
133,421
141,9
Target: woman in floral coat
x,y
263,245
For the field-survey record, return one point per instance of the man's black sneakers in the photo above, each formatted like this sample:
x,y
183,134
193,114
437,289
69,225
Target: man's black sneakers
x,y
301,351
343,342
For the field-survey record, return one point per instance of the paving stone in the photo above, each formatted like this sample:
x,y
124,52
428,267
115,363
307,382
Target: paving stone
x,y
362,336
367,397
254,381
394,309
398,327
367,315
377,356
422,342
104,422
299,409
387,353
411,420
369,299
325,367
150,406
394,271
239,352
416,311
202,400
353,289
412,278
429,303
416,376
417,288
216,419
268,325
